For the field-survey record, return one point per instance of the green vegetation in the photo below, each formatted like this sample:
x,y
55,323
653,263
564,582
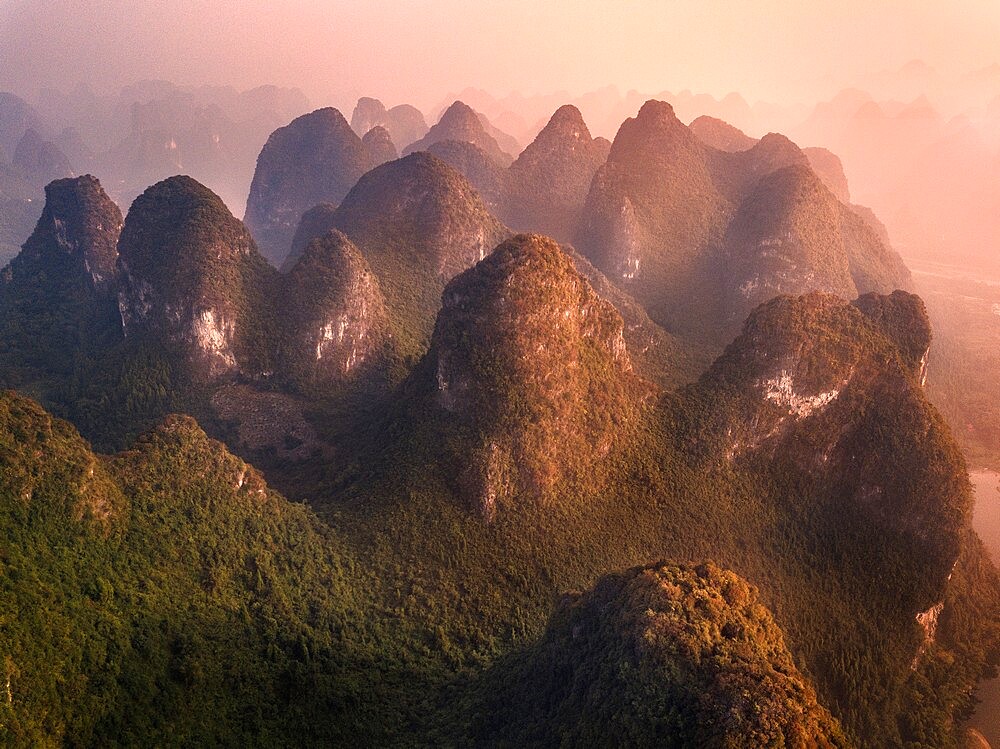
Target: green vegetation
x,y
813,502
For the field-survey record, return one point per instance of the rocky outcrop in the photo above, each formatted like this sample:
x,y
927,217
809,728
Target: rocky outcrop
x,y
460,122
831,392
533,363
78,230
316,158
57,301
191,276
548,183
685,651
336,323
653,208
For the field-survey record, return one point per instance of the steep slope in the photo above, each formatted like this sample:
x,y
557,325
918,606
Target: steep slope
x,y
191,277
460,122
56,297
314,223
791,235
725,137
418,223
667,654
548,183
379,145
814,381
335,322
830,169
144,585
528,359
653,211
721,135
316,158
40,161
473,163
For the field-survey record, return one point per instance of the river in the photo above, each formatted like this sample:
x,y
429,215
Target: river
x,y
986,520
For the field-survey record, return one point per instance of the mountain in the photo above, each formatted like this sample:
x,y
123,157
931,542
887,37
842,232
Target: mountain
x,y
460,122
158,612
335,322
57,296
314,223
821,377
191,275
653,209
379,145
689,652
548,183
404,123
418,223
316,158
473,163
40,161
720,134
534,363
724,137
16,118
696,234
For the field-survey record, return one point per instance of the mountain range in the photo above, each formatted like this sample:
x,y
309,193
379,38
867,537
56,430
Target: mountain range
x,y
669,475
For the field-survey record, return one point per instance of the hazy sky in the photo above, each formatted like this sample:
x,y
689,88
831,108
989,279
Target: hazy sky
x,y
418,51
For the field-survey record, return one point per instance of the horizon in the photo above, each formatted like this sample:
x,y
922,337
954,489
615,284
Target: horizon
x,y
334,54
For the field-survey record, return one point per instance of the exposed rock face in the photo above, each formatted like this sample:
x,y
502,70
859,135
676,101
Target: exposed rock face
x,y
668,650
317,158
191,275
460,122
79,224
475,165
314,223
336,319
721,135
698,234
786,239
813,384
404,123
534,362
549,181
379,144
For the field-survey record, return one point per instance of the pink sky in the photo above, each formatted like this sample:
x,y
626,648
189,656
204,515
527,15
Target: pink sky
x,y
779,50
